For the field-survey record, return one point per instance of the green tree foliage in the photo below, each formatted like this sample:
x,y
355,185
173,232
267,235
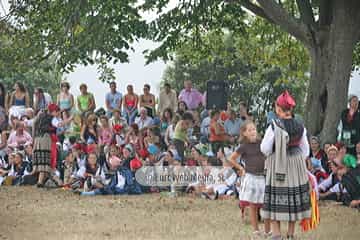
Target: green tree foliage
x,y
79,32
329,29
18,64
257,65
87,31
45,75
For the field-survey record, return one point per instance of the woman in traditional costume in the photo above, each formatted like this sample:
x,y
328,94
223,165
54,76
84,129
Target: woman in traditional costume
x,y
287,190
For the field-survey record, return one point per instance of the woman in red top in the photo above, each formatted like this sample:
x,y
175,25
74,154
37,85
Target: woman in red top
x,y
130,105
218,137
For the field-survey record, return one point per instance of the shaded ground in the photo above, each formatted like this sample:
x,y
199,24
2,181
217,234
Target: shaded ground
x,y
30,213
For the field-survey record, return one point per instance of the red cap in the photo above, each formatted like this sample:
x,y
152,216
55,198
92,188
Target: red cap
x,y
285,100
135,164
91,148
117,127
78,146
143,153
53,107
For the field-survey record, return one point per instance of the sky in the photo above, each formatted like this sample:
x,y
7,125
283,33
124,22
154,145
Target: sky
x,y
137,73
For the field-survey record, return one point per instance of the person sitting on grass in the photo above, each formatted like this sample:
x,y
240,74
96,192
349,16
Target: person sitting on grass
x,y
119,135
317,170
151,138
218,136
19,137
105,133
68,168
92,174
122,180
118,119
74,160
18,169
199,155
225,187
330,188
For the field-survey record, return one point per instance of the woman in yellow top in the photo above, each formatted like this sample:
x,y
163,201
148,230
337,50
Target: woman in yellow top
x,y
180,134
85,101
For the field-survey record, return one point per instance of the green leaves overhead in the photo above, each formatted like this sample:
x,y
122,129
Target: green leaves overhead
x,y
187,21
257,65
81,31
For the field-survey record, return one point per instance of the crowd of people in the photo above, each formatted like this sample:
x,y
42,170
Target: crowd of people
x,y
69,142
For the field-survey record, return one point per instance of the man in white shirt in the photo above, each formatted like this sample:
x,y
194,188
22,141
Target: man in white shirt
x,y
167,99
143,121
205,126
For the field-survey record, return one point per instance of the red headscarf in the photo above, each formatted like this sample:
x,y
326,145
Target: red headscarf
x,y
135,164
117,127
285,100
53,107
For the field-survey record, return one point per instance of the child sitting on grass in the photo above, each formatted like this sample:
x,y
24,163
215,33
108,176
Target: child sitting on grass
x,y
92,174
17,171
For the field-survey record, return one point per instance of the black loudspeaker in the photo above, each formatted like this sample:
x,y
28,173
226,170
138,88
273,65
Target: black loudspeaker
x,y
216,95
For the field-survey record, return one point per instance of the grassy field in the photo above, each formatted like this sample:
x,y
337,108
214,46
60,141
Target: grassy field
x,y
31,213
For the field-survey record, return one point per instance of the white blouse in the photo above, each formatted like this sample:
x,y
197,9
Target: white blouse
x,y
268,141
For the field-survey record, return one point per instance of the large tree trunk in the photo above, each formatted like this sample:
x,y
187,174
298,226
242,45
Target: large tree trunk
x,y
331,69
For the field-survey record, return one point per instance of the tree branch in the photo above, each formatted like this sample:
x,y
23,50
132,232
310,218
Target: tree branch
x,y
306,12
280,16
256,10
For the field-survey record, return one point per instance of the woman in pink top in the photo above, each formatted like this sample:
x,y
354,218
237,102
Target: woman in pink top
x,y
19,137
106,134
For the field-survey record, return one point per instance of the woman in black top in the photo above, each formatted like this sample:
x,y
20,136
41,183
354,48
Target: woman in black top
x,y
89,131
349,126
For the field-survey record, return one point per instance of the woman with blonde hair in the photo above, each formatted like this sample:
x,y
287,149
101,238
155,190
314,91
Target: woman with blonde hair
x,y
89,131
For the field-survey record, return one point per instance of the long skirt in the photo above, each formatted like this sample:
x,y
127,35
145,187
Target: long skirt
x,y
287,200
42,154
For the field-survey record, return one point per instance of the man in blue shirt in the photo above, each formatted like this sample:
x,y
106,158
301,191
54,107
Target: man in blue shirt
x,y
233,124
113,100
